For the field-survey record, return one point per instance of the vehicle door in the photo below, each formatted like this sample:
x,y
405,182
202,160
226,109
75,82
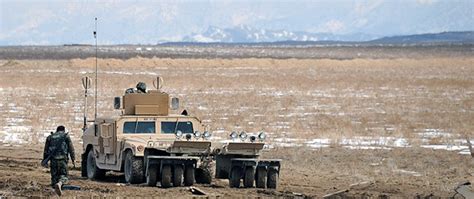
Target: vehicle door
x,y
108,144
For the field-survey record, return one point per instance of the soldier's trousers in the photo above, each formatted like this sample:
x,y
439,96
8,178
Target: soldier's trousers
x,y
58,171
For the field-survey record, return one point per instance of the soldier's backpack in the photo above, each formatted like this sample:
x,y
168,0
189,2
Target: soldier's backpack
x,y
58,147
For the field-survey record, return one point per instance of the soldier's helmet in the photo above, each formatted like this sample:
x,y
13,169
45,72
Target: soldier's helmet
x,y
60,128
141,87
130,90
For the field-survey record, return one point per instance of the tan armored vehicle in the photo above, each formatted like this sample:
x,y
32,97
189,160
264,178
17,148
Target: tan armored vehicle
x,y
239,160
146,142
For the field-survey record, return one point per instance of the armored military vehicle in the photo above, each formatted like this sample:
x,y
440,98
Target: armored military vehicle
x,y
239,160
146,141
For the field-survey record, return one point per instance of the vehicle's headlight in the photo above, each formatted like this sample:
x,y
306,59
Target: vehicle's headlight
x,y
243,135
262,136
197,134
206,135
234,135
179,134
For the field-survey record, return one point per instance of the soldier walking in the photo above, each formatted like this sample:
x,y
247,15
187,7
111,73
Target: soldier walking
x,y
57,148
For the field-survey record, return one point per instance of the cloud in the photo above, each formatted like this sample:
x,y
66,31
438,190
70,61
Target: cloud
x,y
333,26
362,13
247,17
363,8
239,19
361,22
143,13
33,21
168,12
138,14
425,2
244,18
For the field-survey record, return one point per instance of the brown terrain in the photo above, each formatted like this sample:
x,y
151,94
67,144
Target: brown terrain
x,y
393,127
305,173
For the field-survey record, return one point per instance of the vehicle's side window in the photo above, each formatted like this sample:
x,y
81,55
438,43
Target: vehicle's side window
x,y
139,127
171,127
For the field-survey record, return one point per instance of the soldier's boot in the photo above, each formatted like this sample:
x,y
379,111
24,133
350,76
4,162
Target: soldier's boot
x,y
58,188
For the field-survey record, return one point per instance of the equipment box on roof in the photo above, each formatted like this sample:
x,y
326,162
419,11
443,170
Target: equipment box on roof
x,y
146,104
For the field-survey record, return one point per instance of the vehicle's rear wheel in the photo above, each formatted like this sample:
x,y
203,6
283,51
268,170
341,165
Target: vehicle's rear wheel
x,y
133,169
272,180
234,179
203,176
249,177
261,180
152,175
189,175
93,172
178,175
166,176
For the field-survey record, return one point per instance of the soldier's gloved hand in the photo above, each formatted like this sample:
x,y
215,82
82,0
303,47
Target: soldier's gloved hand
x,y
45,165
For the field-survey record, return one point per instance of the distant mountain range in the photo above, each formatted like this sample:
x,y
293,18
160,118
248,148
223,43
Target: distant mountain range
x,y
247,34
444,37
250,35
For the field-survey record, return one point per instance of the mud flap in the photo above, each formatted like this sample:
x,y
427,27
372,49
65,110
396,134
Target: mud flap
x,y
83,165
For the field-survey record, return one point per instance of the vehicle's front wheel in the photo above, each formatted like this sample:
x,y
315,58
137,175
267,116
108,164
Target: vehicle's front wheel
x,y
93,172
272,180
152,175
166,176
178,175
203,176
133,169
261,180
249,177
189,175
235,175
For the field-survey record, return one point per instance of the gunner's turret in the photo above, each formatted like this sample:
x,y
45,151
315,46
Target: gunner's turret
x,y
140,101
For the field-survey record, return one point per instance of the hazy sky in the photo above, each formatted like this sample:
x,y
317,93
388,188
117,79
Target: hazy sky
x,y
140,21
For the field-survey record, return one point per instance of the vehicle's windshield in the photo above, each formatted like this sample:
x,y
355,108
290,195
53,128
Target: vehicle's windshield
x,y
171,127
139,127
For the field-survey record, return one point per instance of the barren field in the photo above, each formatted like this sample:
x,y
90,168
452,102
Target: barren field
x,y
396,125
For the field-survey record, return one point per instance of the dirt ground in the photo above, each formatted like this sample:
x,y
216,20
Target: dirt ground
x,y
399,173
368,125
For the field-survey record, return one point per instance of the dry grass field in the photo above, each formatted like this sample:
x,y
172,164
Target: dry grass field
x,y
334,122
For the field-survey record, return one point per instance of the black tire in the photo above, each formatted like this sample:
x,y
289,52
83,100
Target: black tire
x,y
152,176
234,179
178,175
93,172
189,175
203,176
272,180
249,177
166,176
261,180
133,169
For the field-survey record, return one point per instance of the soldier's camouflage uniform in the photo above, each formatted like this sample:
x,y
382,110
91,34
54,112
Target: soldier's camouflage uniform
x,y
59,159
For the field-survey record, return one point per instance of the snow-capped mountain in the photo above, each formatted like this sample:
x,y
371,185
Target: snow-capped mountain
x,y
247,34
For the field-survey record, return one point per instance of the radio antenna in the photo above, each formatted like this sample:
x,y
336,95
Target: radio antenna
x,y
96,95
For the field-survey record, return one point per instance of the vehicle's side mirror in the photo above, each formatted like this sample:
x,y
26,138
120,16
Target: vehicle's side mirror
x,y
174,103
117,102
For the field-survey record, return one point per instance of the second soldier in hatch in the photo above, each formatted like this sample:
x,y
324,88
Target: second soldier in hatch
x,y
57,149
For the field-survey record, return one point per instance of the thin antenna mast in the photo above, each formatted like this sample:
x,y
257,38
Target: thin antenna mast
x,y
86,83
96,95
